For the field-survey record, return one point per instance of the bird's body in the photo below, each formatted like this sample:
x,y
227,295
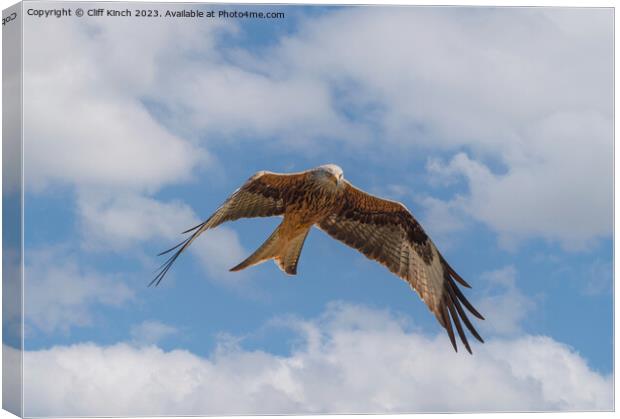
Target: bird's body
x,y
310,202
381,229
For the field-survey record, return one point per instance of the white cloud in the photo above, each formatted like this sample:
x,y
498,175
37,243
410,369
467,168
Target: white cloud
x,y
93,89
243,102
351,359
219,250
560,191
440,217
85,93
150,332
529,89
504,305
59,293
119,221
485,75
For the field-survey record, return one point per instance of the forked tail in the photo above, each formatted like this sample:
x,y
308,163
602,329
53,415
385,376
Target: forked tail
x,y
284,249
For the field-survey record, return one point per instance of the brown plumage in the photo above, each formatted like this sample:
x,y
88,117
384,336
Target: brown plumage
x,y
381,229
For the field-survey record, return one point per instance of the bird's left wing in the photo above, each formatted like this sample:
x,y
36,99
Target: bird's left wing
x,y
385,231
263,195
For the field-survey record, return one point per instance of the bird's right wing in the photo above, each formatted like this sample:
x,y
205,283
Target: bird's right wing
x,y
387,232
264,194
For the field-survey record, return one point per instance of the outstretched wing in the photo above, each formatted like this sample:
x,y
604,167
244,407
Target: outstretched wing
x,y
263,195
386,231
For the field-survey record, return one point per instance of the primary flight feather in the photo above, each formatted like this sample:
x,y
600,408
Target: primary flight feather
x,y
381,229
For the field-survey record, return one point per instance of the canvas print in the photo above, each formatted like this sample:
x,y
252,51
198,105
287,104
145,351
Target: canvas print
x,y
225,209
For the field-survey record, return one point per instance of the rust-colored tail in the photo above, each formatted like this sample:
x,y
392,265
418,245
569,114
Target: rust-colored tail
x,y
284,250
288,259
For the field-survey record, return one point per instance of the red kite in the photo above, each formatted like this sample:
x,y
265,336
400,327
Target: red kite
x,y
381,229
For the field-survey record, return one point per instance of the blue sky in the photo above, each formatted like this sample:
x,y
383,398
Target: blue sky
x,y
494,127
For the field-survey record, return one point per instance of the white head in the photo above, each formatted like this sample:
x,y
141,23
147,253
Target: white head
x,y
331,173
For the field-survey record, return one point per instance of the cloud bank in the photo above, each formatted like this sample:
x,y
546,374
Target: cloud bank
x,y
535,117
351,359
520,100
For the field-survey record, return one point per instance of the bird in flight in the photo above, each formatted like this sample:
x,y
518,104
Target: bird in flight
x,y
381,229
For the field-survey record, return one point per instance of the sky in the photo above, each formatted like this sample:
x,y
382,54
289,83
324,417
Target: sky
x,y
493,126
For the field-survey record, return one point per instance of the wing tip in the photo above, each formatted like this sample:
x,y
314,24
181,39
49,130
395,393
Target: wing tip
x,y
452,301
165,267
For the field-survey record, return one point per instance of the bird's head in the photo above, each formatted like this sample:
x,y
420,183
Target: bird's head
x,y
330,173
